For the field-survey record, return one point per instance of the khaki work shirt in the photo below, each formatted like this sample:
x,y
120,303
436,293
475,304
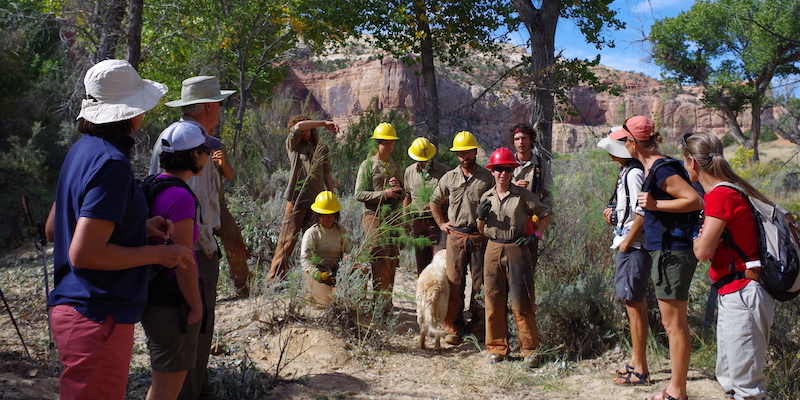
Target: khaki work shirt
x,y
541,186
462,194
309,163
416,182
329,245
372,181
508,217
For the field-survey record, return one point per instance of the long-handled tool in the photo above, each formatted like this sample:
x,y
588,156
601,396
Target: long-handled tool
x,y
51,343
15,323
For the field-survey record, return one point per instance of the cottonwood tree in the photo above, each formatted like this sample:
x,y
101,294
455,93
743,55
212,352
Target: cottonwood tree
x,y
733,49
549,76
240,41
413,31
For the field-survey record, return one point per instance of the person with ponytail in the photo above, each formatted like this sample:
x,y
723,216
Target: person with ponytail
x,y
668,200
746,310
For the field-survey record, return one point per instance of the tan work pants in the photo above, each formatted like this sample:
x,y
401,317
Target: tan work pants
x,y
463,249
508,272
235,250
384,259
294,219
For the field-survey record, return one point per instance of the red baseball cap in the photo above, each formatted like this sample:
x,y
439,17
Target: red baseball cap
x,y
638,127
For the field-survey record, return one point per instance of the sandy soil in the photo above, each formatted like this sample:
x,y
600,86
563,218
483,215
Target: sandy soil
x,y
324,365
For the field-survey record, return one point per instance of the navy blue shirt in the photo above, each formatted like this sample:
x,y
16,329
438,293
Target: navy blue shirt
x,y
679,234
96,181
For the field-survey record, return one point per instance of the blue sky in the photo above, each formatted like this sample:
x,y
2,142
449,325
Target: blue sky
x,y
628,54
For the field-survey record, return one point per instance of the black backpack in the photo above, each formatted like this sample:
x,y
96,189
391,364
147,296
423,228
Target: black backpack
x,y
161,289
682,226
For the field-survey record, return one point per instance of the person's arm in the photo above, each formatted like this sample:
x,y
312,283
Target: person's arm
x,y
438,216
187,277
633,234
220,157
307,251
686,198
311,124
544,222
706,243
90,249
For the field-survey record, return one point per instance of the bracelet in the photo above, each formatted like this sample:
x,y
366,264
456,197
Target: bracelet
x,y
537,234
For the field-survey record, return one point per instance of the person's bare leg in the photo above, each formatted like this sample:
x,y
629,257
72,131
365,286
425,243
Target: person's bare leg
x,y
637,317
673,317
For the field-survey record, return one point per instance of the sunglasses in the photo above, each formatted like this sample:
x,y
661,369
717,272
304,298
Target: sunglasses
x,y
685,145
507,170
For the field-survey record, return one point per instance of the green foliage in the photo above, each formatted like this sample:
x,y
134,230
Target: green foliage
x,y
733,48
728,140
22,172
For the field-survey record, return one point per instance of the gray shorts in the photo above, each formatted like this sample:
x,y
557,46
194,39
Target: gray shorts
x,y
172,344
672,273
632,274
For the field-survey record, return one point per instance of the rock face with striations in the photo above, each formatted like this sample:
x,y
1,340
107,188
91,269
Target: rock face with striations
x,y
392,85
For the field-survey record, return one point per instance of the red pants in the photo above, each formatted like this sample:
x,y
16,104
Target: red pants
x,y
384,257
294,219
463,249
507,271
96,356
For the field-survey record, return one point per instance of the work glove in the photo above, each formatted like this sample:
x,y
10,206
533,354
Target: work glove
x,y
483,209
526,240
323,277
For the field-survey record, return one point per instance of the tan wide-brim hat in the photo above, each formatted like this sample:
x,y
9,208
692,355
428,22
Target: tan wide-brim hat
x,y
115,92
200,89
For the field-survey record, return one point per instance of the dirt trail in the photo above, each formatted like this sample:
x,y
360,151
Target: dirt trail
x,y
325,366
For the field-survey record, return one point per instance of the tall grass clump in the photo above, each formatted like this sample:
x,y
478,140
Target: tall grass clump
x,y
576,306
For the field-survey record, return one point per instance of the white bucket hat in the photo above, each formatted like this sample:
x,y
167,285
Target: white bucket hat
x,y
200,89
184,135
614,147
115,92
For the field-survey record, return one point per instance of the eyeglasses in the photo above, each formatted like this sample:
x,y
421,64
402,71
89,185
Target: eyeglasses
x,y
500,170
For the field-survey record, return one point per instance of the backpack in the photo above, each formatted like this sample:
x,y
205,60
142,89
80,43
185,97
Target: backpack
x,y
634,164
161,289
683,226
778,247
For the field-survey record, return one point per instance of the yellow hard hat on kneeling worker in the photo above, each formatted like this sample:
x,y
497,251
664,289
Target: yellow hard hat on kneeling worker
x,y
421,149
464,141
384,131
326,203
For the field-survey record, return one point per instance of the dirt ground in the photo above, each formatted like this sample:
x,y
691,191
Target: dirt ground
x,y
323,365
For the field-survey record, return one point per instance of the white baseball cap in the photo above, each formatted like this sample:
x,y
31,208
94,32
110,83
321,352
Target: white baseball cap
x,y
115,92
183,135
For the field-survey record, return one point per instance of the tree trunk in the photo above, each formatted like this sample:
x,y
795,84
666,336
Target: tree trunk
x,y
135,33
112,30
541,25
428,74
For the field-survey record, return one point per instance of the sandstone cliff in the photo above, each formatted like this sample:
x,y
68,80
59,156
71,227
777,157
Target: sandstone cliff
x,y
392,85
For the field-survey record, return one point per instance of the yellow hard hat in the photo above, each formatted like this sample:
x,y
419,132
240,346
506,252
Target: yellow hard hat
x,y
384,131
421,149
326,203
464,141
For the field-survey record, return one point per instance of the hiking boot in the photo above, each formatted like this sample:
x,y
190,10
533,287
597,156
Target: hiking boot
x,y
496,358
452,338
531,361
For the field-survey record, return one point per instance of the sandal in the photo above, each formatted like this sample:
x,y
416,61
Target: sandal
x,y
628,370
664,396
644,379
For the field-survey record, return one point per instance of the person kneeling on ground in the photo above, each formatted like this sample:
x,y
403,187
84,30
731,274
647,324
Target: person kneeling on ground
x,y
324,246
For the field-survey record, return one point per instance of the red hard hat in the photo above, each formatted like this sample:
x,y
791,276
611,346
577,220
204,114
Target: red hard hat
x,y
502,156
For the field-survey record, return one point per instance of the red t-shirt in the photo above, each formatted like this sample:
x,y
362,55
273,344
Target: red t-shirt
x,y
728,205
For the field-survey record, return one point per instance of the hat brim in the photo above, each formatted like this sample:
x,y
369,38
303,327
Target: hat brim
x,y
614,147
619,134
416,158
138,103
223,94
213,143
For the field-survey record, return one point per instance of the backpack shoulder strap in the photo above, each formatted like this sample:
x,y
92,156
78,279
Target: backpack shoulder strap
x,y
154,184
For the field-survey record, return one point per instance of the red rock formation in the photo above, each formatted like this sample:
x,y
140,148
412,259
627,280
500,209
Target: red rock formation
x,y
342,95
